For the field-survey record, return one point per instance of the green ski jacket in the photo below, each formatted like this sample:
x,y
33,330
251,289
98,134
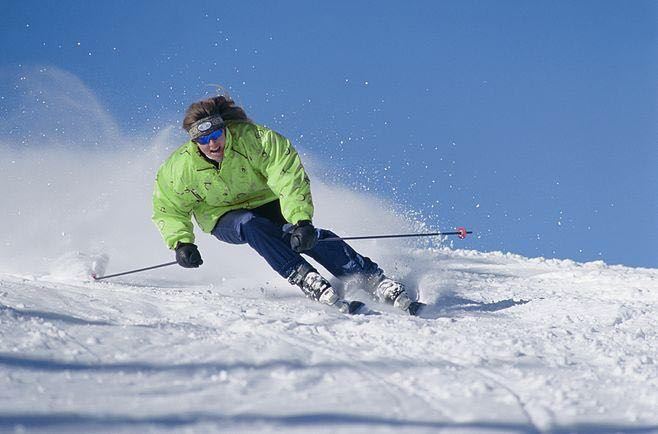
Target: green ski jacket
x,y
259,166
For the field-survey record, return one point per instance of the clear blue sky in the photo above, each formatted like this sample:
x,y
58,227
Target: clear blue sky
x,y
534,123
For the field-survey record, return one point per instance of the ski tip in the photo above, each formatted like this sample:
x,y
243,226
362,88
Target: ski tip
x,y
416,307
355,307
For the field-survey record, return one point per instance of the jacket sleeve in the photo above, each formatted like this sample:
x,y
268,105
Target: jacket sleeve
x,y
171,214
286,177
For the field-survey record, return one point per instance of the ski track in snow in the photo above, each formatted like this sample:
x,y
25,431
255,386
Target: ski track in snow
x,y
507,344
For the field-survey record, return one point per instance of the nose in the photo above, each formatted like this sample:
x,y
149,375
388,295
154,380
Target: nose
x,y
214,142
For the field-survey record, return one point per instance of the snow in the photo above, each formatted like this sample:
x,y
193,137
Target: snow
x,y
508,344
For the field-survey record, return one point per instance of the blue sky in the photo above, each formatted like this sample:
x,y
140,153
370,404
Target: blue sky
x,y
533,123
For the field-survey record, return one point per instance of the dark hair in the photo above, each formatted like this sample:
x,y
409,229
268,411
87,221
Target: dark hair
x,y
217,105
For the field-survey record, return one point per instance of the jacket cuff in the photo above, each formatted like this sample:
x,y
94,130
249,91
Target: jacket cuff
x,y
296,218
173,243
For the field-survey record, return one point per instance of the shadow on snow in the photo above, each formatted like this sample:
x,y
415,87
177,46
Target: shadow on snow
x,y
42,364
74,420
50,316
449,305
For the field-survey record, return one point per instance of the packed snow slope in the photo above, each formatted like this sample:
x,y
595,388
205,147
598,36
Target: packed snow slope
x,y
508,344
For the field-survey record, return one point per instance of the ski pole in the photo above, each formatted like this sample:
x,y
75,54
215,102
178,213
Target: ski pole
x,y
461,233
166,264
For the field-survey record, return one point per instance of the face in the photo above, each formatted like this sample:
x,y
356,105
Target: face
x,y
214,149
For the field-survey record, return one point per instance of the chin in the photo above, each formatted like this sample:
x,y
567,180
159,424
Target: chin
x,y
217,158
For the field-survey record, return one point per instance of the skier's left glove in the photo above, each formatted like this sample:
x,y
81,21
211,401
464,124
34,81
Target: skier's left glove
x,y
303,236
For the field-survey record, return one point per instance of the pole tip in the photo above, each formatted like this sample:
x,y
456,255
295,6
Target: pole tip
x,y
462,232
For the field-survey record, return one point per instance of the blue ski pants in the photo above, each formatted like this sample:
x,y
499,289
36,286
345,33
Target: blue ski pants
x,y
262,229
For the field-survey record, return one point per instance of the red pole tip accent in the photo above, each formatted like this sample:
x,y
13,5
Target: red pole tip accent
x,y
462,232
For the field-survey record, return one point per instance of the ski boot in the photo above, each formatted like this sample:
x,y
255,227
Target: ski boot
x,y
318,288
393,292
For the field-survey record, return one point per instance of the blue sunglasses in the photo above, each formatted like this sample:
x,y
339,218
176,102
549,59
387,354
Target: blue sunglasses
x,y
204,140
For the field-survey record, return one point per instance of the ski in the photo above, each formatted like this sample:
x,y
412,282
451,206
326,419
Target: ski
x,y
353,307
360,308
415,308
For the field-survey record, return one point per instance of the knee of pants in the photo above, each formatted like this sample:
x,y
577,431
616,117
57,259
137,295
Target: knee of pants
x,y
325,233
230,227
257,224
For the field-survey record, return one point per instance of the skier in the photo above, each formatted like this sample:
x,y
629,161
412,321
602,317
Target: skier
x,y
244,183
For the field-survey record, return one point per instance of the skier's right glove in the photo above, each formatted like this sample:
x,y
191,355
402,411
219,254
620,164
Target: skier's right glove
x,y
188,256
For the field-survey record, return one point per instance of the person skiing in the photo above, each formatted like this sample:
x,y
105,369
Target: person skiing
x,y
245,183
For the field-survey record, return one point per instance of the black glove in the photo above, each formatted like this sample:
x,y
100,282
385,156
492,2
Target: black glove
x,y
303,236
188,256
